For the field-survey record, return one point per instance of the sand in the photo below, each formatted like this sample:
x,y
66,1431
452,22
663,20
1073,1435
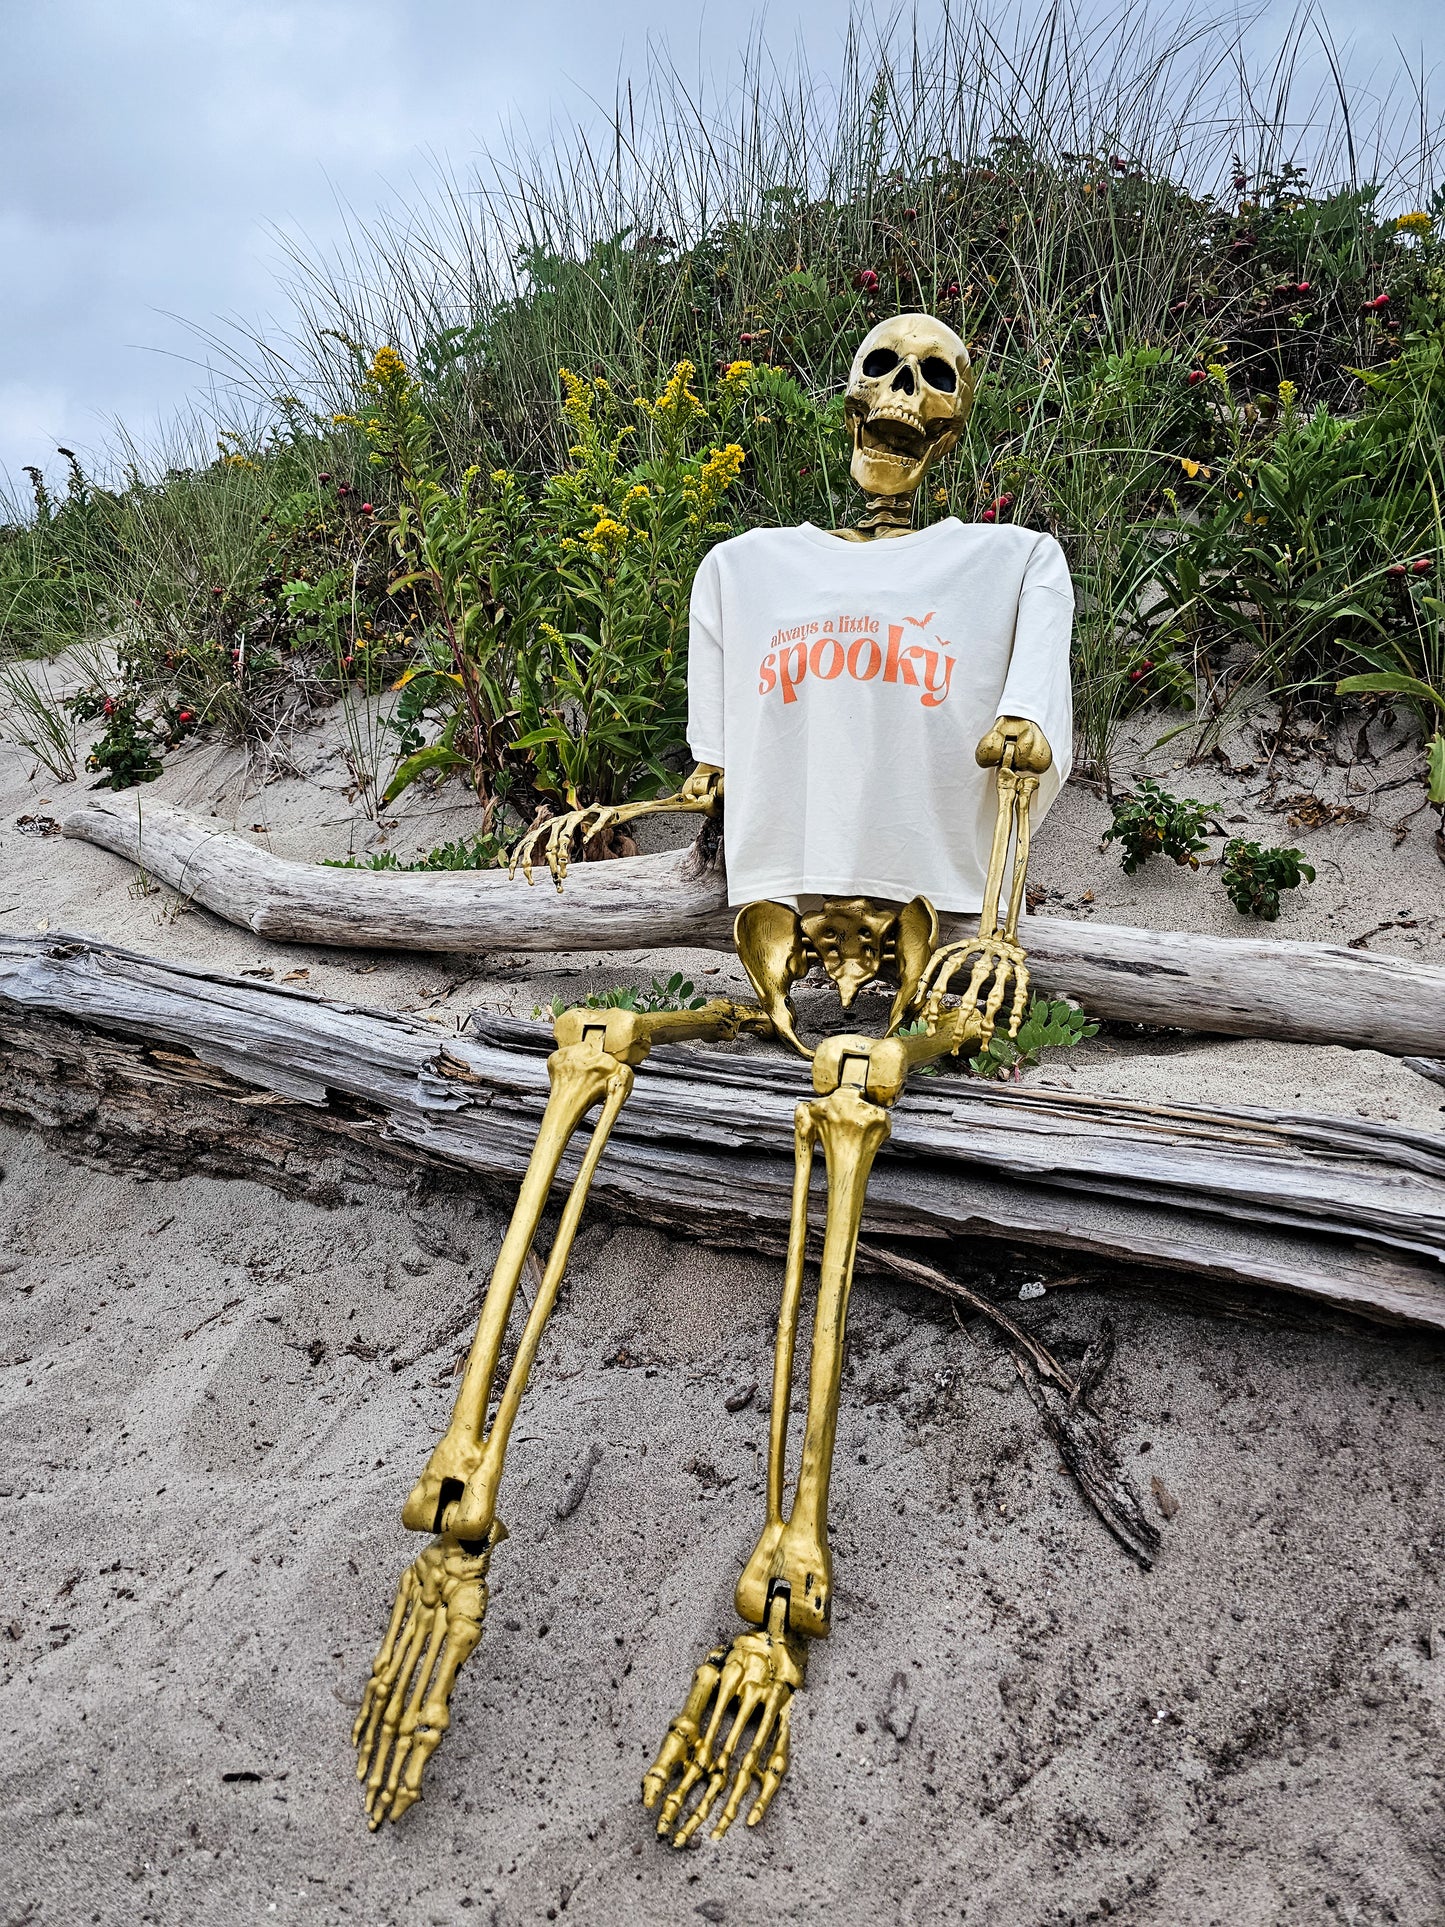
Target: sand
x,y
213,1402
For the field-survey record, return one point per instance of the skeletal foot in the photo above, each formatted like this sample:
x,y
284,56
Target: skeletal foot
x,y
435,1625
758,1677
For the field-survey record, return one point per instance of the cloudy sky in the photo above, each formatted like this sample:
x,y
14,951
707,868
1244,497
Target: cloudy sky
x,y
151,153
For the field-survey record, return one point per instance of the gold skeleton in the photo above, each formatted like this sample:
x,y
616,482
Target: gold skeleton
x,y
903,414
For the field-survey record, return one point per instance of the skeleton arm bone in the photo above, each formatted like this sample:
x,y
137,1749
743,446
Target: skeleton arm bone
x,y
700,795
1020,752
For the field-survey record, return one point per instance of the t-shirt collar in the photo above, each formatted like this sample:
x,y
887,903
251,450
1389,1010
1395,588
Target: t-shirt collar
x,y
884,545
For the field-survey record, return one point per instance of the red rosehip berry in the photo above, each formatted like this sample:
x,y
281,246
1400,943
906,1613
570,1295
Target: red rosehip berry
x,y
367,509
343,488
109,707
1241,182
218,591
989,515
1303,287
1196,375
952,291
910,214
323,478
1136,675
867,279
1421,566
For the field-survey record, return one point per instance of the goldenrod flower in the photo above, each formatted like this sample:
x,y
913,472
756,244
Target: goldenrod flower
x,y
1287,394
576,401
736,374
387,367
609,535
677,399
1417,223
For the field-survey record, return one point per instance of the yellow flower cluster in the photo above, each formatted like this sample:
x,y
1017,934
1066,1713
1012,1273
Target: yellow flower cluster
x,y
736,375
576,399
608,537
677,399
1417,223
714,478
721,468
1288,394
387,368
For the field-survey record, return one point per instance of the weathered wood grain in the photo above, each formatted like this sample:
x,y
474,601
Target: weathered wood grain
x,y
1239,986
165,1066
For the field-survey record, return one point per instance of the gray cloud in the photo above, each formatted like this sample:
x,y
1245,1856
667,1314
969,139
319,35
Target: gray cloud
x,y
150,152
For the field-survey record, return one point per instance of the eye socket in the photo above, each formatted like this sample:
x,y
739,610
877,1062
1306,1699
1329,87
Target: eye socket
x,y
882,361
939,374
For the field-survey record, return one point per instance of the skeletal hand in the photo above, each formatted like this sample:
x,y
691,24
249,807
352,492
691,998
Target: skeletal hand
x,y
759,1676
991,957
435,1625
1030,746
554,839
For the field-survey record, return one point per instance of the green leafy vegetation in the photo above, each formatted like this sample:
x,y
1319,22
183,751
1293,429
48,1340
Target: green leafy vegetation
x,y
1254,877
1049,1025
484,852
1216,375
677,993
1151,822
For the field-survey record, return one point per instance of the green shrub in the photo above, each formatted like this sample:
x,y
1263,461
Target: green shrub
x,y
1151,822
1254,877
558,656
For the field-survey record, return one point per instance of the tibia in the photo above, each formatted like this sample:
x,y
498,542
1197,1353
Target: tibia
x,y
797,1557
451,1464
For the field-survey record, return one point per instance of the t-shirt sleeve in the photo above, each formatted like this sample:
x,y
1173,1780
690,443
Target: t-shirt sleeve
x,y
705,736
1037,687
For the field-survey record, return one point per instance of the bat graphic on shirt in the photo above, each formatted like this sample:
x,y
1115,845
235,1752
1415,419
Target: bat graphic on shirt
x,y
921,622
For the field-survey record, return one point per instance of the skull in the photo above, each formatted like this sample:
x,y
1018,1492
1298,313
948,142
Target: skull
x,y
909,393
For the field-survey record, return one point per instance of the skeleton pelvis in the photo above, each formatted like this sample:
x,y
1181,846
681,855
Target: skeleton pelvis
x,y
854,938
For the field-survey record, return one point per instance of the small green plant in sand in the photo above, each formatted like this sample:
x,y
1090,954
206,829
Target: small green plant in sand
x,y
1151,822
484,852
1254,877
1051,1024
130,744
677,993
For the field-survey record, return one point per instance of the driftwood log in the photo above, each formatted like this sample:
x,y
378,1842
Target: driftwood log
x,y
166,1068
1244,987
